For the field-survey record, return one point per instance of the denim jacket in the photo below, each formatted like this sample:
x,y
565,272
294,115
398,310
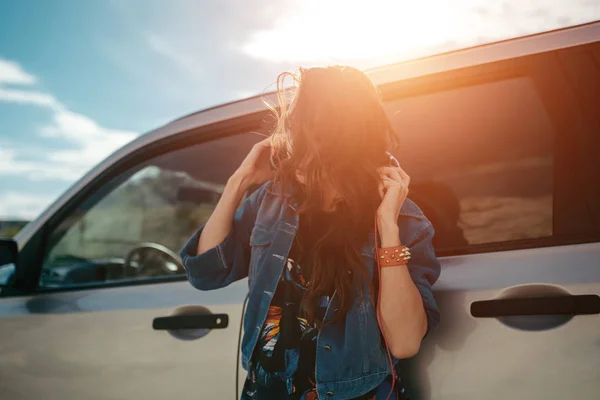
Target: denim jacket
x,y
350,358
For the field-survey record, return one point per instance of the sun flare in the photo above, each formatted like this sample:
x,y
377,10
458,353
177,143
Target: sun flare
x,y
327,30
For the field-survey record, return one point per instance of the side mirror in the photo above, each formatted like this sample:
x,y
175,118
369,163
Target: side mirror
x,y
9,254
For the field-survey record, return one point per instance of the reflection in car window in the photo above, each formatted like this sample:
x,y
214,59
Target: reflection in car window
x,y
134,227
481,161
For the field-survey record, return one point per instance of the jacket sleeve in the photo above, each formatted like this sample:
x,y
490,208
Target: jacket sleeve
x,y
424,269
227,262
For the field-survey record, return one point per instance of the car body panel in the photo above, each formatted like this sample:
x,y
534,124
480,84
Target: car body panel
x,y
483,358
99,344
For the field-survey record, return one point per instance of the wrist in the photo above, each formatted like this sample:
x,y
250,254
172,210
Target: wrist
x,y
389,232
386,221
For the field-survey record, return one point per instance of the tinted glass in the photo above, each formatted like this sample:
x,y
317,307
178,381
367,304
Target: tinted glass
x,y
481,161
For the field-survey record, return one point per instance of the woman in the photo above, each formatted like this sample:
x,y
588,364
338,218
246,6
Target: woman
x,y
306,241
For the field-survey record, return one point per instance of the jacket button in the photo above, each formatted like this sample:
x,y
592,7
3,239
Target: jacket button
x,y
330,394
327,347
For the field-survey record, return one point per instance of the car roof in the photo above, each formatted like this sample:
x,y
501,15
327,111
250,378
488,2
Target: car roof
x,y
467,57
441,62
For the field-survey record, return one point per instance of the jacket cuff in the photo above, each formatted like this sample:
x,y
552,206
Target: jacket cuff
x,y
202,269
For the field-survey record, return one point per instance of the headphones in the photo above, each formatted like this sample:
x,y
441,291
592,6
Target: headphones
x,y
393,160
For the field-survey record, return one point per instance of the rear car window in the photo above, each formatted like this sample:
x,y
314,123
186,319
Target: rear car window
x,y
481,161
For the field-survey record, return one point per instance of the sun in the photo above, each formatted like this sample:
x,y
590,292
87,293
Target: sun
x,y
333,30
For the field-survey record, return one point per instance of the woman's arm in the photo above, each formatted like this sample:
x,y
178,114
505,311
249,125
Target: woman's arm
x,y
219,224
255,169
408,309
402,308
217,254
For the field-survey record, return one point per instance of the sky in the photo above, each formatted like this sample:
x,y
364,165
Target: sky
x,y
79,79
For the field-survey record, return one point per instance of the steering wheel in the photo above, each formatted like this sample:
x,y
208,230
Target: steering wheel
x,y
151,259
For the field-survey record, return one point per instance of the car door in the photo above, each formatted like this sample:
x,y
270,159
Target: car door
x,y
109,268
504,161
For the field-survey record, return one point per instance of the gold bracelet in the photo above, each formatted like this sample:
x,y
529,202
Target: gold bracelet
x,y
393,256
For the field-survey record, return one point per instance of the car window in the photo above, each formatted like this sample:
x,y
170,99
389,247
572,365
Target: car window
x,y
481,161
133,227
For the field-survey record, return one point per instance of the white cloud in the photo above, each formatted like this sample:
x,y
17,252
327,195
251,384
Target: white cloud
x,y
12,73
14,205
87,142
63,165
94,142
91,144
28,97
90,141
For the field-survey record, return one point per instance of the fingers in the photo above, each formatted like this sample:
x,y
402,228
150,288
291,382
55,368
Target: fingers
x,y
262,148
388,184
394,178
263,144
390,172
404,175
395,173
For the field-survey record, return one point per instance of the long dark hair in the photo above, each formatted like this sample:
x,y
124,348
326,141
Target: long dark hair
x,y
334,134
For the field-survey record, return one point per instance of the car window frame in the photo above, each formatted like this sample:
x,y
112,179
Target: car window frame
x,y
36,249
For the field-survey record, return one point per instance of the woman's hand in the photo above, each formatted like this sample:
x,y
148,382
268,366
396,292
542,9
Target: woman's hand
x,y
393,190
256,168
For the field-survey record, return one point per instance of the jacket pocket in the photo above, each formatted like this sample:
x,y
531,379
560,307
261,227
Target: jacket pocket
x,y
260,242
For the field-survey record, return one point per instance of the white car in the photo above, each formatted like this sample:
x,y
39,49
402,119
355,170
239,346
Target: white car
x,y
502,142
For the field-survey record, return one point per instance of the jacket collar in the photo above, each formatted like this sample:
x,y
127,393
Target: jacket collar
x,y
289,193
